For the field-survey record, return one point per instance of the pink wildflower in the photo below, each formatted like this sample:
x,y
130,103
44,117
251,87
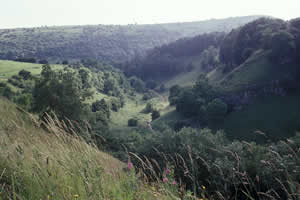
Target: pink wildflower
x,y
174,182
165,179
130,165
168,171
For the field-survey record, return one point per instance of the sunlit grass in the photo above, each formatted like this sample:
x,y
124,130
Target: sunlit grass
x,y
39,164
10,68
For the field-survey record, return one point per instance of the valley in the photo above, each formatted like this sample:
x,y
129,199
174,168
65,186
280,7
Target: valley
x,y
200,110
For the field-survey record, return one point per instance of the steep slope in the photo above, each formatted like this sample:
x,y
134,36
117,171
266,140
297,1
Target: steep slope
x,y
51,164
103,42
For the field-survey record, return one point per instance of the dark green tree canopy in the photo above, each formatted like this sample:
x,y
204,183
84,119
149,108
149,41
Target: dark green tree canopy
x,y
61,92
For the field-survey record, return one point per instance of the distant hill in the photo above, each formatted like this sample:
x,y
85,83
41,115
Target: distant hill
x,y
263,50
109,43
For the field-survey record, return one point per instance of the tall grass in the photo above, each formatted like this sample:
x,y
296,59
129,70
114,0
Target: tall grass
x,y
49,163
238,171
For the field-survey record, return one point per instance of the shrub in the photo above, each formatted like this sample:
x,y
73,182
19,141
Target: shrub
x,y
155,114
216,111
65,62
132,122
149,95
148,108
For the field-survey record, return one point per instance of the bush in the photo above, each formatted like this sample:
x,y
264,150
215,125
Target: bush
x,y
149,95
25,100
148,108
151,84
155,114
132,122
43,62
65,62
216,111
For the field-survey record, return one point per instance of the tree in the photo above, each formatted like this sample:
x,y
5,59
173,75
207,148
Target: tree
x,y
8,93
151,84
137,84
149,108
174,94
155,114
44,61
132,122
216,111
25,74
110,87
283,47
65,62
101,106
60,92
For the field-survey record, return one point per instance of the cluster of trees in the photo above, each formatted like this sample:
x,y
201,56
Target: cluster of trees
x,y
168,60
274,35
62,92
201,102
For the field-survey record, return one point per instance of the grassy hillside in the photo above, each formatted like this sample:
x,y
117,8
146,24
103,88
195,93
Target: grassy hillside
x,y
276,116
39,164
10,68
187,78
103,42
256,71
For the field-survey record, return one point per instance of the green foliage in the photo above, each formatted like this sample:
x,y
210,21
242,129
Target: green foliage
x,y
25,100
61,92
168,61
25,74
101,105
175,92
209,58
111,87
109,43
65,62
150,94
116,104
192,102
7,92
211,165
57,165
240,43
151,84
216,111
132,122
155,114
149,108
137,84
283,47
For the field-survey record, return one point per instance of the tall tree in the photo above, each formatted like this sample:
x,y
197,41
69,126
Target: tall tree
x,y
60,92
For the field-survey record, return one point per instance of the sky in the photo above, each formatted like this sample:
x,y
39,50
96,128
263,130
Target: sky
x,y
35,13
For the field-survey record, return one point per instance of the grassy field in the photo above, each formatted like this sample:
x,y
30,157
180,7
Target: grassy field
x,y
39,164
134,109
10,68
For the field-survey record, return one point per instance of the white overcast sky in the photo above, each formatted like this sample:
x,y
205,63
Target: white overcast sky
x,y
32,13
